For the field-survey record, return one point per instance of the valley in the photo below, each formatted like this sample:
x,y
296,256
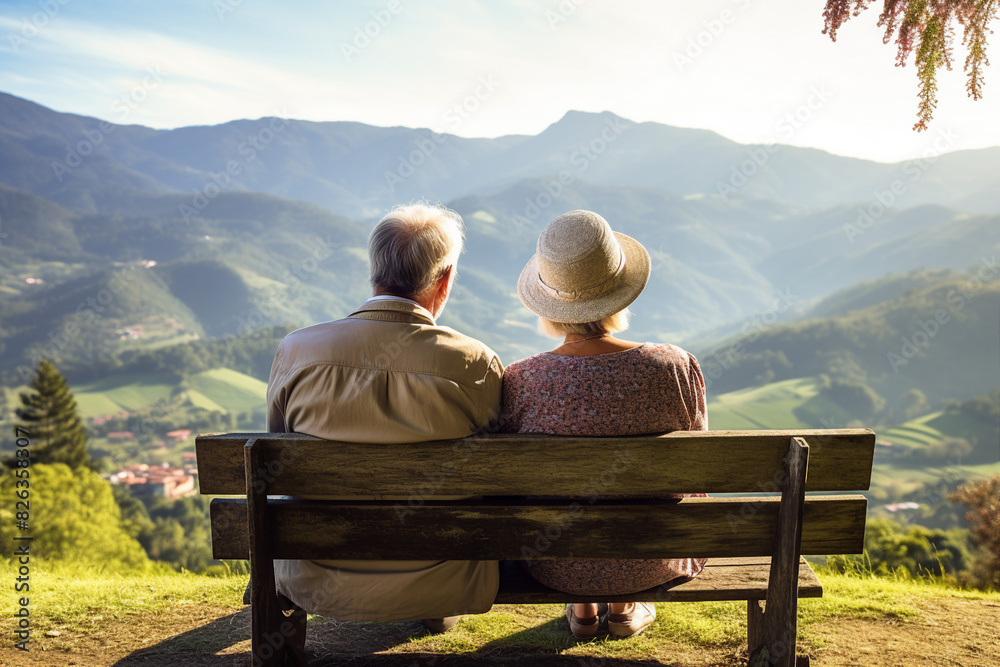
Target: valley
x,y
159,281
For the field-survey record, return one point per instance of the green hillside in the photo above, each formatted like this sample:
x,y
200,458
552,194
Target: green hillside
x,y
772,406
232,391
143,277
939,338
915,461
122,392
218,389
918,432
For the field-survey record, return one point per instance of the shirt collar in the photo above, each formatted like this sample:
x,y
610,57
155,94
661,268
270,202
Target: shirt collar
x,y
396,303
391,297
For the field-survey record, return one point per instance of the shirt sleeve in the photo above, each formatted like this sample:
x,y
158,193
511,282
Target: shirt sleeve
x,y
276,398
492,396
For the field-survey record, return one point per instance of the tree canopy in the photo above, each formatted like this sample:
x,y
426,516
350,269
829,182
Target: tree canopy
x,y
983,500
926,28
74,517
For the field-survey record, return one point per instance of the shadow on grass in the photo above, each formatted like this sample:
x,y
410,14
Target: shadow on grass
x,y
225,642
201,646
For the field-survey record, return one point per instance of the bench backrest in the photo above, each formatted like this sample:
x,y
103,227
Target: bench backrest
x,y
570,471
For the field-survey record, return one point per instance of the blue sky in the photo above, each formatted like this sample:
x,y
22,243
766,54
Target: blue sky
x,y
752,71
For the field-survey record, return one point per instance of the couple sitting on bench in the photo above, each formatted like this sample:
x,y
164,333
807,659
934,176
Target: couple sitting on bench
x,y
388,373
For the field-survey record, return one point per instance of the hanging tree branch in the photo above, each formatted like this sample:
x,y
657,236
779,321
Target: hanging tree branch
x,y
926,28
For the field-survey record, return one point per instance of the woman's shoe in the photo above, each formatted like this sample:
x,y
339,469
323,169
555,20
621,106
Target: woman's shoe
x,y
585,628
632,623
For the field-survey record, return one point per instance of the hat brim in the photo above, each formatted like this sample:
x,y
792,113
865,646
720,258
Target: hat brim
x,y
634,277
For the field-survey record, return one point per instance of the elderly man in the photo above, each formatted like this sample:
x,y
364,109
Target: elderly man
x,y
388,373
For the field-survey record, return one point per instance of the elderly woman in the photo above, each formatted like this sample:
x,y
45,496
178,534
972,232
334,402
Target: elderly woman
x,y
580,283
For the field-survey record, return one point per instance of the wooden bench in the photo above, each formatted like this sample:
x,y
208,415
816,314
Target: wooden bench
x,y
754,543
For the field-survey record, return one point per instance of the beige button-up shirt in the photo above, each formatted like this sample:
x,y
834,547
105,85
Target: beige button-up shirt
x,y
386,373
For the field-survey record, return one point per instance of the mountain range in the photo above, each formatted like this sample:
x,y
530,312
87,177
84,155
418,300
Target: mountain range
x,y
249,223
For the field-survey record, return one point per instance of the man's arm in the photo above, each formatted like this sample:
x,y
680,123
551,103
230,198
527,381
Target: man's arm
x,y
276,397
492,393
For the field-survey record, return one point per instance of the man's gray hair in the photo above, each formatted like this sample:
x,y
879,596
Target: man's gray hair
x,y
413,246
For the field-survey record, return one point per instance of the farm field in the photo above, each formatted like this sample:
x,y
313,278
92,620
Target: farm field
x,y
219,389
230,390
773,406
116,393
895,473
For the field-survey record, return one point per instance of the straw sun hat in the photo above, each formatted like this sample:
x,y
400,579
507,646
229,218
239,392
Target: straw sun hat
x,y
582,271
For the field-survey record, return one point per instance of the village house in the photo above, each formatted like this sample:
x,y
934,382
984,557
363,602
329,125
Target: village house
x,y
156,480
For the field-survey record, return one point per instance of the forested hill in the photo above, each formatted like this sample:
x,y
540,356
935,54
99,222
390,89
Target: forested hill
x,y
156,238
935,331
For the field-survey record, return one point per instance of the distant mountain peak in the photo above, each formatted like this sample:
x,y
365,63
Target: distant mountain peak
x,y
574,119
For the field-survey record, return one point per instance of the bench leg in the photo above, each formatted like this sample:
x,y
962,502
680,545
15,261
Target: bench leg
x,y
269,629
755,625
295,648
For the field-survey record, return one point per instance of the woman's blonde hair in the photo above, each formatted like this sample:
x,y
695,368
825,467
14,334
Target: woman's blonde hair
x,y
609,325
413,246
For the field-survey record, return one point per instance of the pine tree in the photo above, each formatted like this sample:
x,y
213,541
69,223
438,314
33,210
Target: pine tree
x,y
50,415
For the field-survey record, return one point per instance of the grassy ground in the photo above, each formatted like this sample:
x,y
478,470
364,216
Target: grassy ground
x,y
85,618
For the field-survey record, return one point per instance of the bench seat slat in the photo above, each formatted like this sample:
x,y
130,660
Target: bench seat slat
x,y
722,579
703,527
502,464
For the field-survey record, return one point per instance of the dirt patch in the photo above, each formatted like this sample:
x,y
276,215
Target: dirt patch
x,y
186,635
950,631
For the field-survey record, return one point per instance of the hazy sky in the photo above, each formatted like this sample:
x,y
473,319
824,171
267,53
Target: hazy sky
x,y
752,71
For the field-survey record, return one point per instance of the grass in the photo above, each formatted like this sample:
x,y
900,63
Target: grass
x,y
703,624
770,406
233,391
915,433
199,400
96,405
128,392
219,390
72,598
